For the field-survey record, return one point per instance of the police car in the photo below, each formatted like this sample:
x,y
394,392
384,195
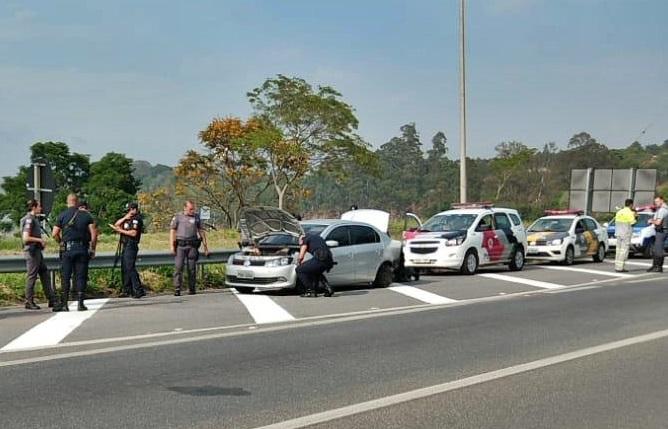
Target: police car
x,y
642,239
566,235
466,237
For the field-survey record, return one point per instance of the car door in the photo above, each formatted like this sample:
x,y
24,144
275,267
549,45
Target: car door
x,y
367,251
596,234
505,235
581,245
491,246
343,273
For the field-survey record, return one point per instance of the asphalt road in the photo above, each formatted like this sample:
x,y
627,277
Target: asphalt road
x,y
253,375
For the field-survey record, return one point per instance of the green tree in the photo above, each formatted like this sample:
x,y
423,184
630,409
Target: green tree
x,y
317,128
110,187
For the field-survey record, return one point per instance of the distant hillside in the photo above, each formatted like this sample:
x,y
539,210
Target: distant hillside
x,y
152,176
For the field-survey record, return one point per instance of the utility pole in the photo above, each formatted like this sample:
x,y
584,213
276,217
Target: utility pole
x,y
462,103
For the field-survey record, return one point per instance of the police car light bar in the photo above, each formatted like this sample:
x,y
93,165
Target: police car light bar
x,y
578,212
649,207
477,205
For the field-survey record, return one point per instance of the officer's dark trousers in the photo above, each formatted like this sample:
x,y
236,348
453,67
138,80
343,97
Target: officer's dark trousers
x,y
75,261
131,282
309,274
658,249
36,267
185,255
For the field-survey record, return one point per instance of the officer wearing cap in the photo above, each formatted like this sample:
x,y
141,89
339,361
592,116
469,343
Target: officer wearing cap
x,y
185,236
75,230
130,227
31,233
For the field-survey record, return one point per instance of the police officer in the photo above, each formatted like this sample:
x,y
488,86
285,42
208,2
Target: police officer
x,y
185,236
310,272
75,230
130,227
660,222
31,233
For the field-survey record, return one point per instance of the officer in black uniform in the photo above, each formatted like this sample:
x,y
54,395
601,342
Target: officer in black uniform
x,y
309,272
130,227
75,231
34,244
185,236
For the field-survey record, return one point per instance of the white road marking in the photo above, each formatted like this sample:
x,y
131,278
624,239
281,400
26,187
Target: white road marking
x,y
637,264
263,309
585,270
651,279
425,392
53,330
421,295
520,280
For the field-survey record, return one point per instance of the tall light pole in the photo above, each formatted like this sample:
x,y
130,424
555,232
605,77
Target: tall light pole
x,y
462,103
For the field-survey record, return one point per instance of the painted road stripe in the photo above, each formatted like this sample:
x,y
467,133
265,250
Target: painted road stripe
x,y
53,330
585,270
637,264
520,280
263,309
437,389
421,295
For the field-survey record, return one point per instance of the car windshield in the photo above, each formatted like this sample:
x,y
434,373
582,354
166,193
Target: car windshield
x,y
312,228
551,225
280,240
643,218
449,222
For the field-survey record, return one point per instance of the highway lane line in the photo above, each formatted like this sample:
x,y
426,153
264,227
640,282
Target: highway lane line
x,y
520,280
425,392
421,295
637,264
586,270
56,328
263,309
297,323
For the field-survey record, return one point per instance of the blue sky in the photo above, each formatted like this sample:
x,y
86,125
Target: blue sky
x,y
142,77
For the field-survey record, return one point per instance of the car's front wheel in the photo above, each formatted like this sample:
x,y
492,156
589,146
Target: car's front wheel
x,y
470,264
384,276
244,290
600,253
569,257
517,259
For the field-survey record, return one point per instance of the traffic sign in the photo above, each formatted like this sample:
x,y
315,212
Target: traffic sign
x,y
205,213
42,185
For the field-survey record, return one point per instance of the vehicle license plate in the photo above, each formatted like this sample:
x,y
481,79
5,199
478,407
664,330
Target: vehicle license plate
x,y
422,261
532,249
246,275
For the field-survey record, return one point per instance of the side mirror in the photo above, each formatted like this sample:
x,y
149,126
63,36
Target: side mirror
x,y
332,243
579,230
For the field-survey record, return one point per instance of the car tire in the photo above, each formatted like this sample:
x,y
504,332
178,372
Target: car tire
x,y
569,256
470,264
648,252
600,253
384,276
517,260
244,290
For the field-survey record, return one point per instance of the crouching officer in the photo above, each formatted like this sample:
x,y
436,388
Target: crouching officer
x,y
31,233
130,227
185,236
310,272
75,230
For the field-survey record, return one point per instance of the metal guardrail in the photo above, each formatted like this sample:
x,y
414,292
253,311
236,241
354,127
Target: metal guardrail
x,y
17,264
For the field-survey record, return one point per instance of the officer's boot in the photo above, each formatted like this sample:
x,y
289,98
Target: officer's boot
x,y
63,302
328,289
81,306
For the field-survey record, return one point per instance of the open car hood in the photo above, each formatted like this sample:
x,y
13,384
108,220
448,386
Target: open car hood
x,y
377,218
258,222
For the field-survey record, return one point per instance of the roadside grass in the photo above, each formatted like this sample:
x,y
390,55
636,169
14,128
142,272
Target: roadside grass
x,y
100,284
